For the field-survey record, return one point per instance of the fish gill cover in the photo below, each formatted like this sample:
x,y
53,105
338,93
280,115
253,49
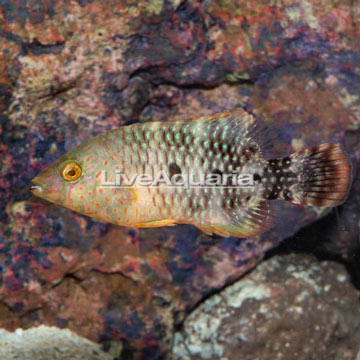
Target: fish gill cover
x,y
73,70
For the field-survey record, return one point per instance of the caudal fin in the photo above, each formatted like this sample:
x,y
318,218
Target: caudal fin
x,y
324,175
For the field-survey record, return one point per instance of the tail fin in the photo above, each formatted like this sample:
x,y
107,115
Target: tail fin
x,y
324,175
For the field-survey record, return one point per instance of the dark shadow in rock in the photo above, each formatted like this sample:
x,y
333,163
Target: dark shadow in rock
x,y
335,237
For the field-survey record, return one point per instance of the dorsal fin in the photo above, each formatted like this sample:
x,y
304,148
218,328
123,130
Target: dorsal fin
x,y
240,127
229,124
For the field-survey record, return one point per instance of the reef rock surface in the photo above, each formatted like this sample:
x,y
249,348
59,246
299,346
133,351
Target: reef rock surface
x,y
289,307
70,70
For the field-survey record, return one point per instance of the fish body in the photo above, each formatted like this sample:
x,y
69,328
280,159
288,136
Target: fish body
x,y
226,150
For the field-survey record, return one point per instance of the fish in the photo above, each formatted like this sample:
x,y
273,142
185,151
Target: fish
x,y
234,180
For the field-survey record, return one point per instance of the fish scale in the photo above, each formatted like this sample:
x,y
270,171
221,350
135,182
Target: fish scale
x,y
214,145
164,141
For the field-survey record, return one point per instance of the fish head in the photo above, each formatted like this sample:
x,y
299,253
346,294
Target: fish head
x,y
72,180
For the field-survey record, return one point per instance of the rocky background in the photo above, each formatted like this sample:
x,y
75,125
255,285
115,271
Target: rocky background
x,y
71,69
290,307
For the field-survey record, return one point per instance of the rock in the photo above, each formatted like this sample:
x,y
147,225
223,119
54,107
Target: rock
x,y
43,343
72,70
289,307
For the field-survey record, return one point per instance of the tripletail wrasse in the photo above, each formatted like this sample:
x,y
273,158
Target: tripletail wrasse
x,y
227,151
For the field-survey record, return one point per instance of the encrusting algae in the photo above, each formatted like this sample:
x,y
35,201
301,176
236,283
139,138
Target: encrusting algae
x,y
226,151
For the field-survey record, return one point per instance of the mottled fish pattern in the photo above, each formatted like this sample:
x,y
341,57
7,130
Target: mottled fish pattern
x,y
225,143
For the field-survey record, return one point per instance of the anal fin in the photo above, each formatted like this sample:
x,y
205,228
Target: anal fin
x,y
207,229
156,223
240,222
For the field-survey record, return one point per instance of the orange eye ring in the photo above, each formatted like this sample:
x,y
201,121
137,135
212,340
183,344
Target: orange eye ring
x,y
71,171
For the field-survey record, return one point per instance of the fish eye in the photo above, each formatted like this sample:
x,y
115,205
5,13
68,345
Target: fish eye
x,y
71,171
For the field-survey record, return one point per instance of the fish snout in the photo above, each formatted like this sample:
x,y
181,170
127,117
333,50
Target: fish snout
x,y
35,189
36,185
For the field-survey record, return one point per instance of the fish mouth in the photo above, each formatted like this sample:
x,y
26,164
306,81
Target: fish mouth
x,y
36,189
43,191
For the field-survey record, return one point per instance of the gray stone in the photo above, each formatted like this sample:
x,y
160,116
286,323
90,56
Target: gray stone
x,y
44,343
289,307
